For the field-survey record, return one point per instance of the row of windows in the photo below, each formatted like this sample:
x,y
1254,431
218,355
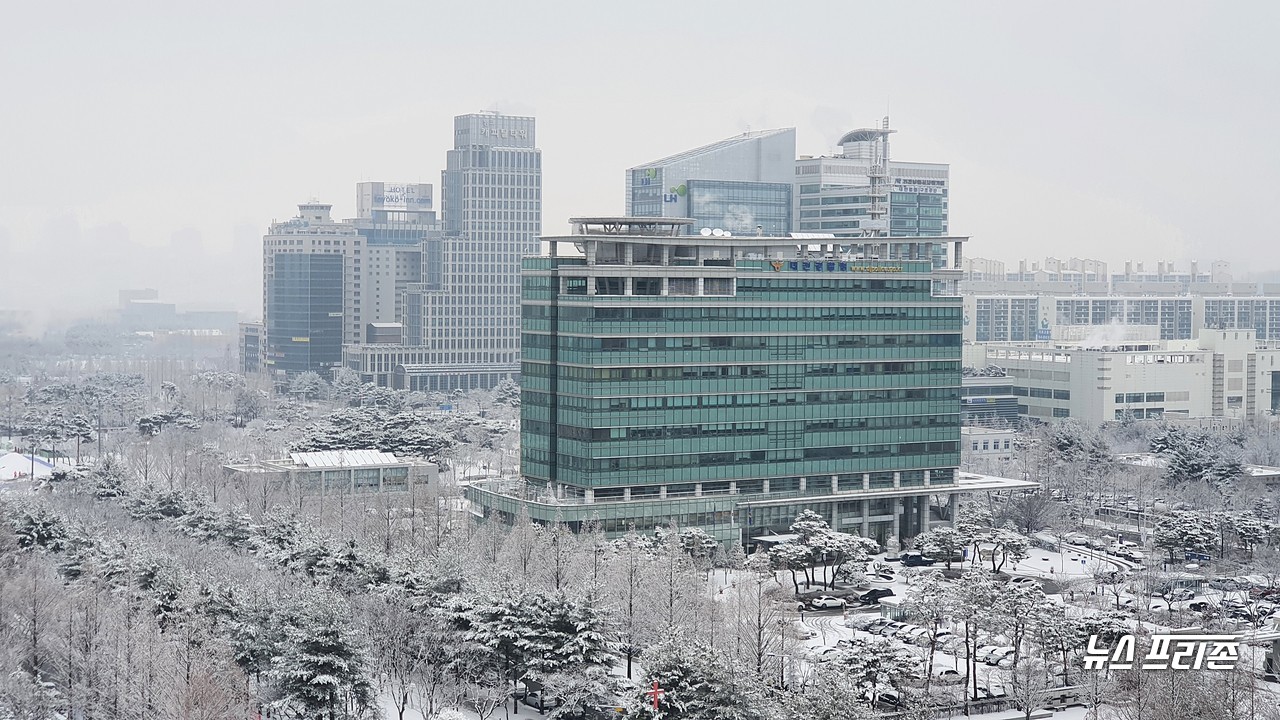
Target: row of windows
x,y
741,342
690,372
1122,398
833,397
751,314
686,460
825,282
718,430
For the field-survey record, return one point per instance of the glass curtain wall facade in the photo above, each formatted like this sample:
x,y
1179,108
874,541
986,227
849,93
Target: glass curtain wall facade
x,y
304,313
697,381
742,208
738,185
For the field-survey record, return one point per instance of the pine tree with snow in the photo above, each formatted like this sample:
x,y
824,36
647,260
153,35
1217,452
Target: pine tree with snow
x,y
320,670
697,683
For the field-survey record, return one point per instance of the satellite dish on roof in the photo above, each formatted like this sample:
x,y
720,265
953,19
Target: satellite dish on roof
x,y
717,232
706,232
728,234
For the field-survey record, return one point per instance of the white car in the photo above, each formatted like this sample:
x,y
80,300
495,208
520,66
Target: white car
x,y
826,601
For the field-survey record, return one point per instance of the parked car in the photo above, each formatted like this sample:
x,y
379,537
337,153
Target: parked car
x,y
874,595
826,601
1224,583
890,629
876,624
982,653
1180,594
947,676
914,635
916,560
863,621
1026,581
1076,538
541,699
995,656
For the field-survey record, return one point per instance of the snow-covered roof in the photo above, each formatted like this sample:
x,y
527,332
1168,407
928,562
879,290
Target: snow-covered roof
x,y
343,458
1143,459
777,538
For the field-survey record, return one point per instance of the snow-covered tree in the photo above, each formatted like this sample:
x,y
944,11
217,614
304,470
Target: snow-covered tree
x,y
308,386
320,669
1184,530
697,683
1007,545
869,665
942,543
928,604
792,557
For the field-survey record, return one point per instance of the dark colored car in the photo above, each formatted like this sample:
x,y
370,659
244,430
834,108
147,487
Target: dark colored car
x,y
917,560
873,596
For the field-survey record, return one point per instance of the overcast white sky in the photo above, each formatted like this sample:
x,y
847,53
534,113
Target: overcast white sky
x,y
152,143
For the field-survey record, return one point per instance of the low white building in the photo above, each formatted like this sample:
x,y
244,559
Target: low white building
x,y
992,443
336,472
1222,373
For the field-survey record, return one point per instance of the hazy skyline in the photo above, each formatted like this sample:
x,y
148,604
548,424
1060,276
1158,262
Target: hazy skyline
x,y
152,144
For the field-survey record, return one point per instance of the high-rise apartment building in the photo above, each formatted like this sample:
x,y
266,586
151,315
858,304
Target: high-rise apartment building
x,y
741,185
861,191
311,268
728,383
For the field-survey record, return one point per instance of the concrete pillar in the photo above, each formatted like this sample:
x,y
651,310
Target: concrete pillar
x,y
628,254
922,508
926,477
666,255
589,496
835,483
626,282
697,489
662,492
952,502
626,493
733,484
897,478
866,481
765,488
866,522
897,520
802,484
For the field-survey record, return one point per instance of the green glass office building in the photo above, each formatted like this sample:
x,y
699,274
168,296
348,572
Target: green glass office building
x,y
730,382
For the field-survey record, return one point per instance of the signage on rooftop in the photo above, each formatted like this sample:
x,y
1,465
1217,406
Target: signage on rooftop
x,y
831,266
